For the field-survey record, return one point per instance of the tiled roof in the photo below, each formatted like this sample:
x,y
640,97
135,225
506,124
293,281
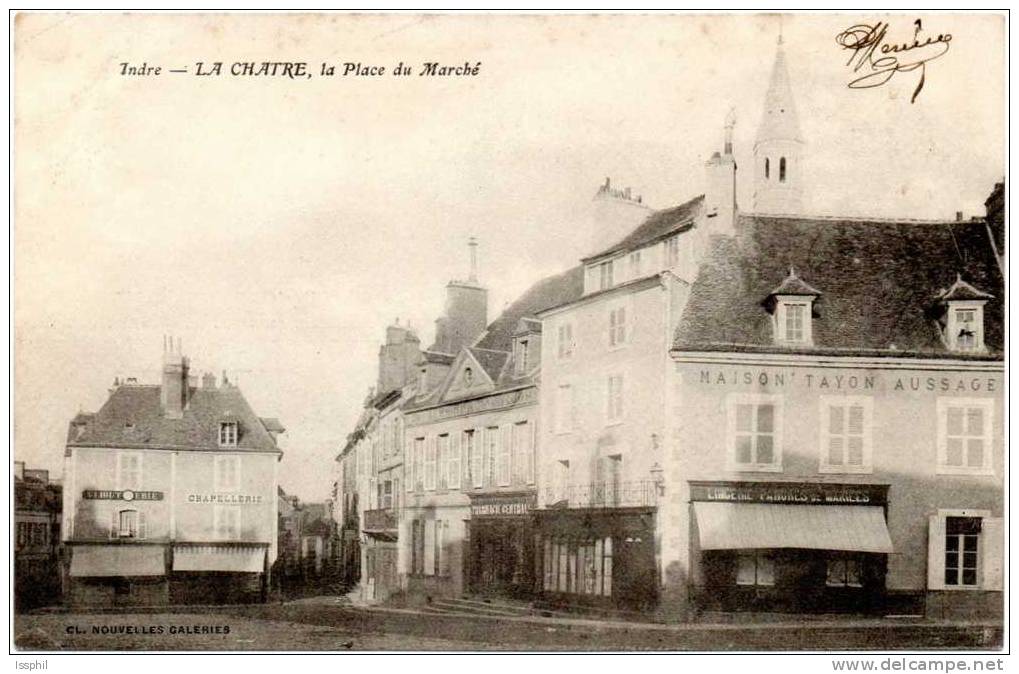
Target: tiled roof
x,y
880,281
133,417
658,225
548,292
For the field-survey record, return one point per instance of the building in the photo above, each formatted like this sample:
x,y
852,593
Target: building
x,y
37,515
287,568
171,493
471,478
835,428
347,511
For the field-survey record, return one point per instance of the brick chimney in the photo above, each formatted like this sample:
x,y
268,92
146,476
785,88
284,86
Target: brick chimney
x,y
174,390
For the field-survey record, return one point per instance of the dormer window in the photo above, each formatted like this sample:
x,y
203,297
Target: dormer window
x,y
792,307
521,356
228,434
964,321
605,275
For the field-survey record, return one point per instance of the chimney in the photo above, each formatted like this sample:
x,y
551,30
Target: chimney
x,y
472,243
208,380
958,216
398,357
720,193
174,390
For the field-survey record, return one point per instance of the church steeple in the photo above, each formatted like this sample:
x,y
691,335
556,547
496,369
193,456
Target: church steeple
x,y
778,150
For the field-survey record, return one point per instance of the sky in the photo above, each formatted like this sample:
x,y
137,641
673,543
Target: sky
x,y
276,225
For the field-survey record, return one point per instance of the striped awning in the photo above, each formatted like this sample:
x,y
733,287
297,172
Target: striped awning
x,y
237,558
744,526
104,561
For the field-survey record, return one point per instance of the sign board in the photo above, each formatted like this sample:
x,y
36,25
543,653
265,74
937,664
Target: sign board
x,y
508,505
121,495
229,499
804,493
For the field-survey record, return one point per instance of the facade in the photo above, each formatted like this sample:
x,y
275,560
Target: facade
x,y
470,470
37,515
171,494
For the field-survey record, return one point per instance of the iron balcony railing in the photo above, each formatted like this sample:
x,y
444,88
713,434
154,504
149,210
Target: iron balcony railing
x,y
602,495
380,520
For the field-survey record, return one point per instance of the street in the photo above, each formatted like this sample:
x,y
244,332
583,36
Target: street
x,y
327,626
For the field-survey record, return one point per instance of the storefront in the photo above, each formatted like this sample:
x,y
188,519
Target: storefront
x,y
597,556
500,540
782,546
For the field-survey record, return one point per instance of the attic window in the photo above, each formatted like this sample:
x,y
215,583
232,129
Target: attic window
x,y
228,434
964,323
468,376
793,310
521,357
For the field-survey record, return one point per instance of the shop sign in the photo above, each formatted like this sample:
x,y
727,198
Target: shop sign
x,y
230,499
121,495
468,407
502,506
807,493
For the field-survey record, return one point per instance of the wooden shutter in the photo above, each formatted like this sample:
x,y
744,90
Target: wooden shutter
x,y
936,553
992,538
429,541
115,524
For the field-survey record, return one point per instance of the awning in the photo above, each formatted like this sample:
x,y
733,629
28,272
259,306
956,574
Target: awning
x,y
117,560
742,526
240,558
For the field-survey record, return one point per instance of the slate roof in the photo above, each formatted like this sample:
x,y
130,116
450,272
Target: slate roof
x,y
794,285
880,283
961,290
548,292
657,226
490,360
133,417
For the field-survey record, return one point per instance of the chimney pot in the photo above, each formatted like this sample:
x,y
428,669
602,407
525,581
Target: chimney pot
x,y
958,216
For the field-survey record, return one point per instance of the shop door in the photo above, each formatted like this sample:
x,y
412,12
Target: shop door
x,y
634,577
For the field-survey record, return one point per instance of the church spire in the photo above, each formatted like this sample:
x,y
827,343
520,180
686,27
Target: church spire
x,y
778,150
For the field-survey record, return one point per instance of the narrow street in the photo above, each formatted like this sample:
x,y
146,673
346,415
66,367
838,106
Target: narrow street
x,y
321,626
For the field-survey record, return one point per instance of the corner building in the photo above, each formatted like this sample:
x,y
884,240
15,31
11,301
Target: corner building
x,y
171,494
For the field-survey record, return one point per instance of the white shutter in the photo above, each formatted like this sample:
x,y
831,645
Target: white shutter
x,y
992,538
115,524
936,553
429,534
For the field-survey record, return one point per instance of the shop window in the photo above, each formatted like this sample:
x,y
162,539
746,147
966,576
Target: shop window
x,y
475,458
962,551
564,341
617,327
755,433
844,571
227,473
523,453
964,435
128,523
846,432
756,569
227,522
129,470
577,566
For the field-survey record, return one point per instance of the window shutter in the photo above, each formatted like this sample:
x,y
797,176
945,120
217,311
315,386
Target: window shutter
x,y
429,536
114,524
936,553
142,528
992,536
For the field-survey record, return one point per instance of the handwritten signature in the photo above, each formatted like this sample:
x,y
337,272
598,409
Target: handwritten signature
x,y
876,61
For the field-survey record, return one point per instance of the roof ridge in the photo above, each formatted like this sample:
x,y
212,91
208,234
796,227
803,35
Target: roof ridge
x,y
860,218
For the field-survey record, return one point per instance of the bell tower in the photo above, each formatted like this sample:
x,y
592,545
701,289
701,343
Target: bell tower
x,y
778,150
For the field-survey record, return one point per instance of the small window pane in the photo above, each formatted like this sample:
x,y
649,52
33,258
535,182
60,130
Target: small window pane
x,y
975,453
855,451
975,421
765,449
766,418
954,452
744,416
835,419
835,448
746,572
856,420
952,543
743,449
954,421
969,577
969,543
765,570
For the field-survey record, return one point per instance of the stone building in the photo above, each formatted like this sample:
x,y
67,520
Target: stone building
x,y
171,494
37,515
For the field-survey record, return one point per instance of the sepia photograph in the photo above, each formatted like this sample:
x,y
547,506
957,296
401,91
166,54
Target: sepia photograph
x,y
458,332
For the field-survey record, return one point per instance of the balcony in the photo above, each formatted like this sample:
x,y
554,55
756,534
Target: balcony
x,y
602,495
381,521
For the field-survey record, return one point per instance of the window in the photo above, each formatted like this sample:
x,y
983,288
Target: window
x,y
417,546
491,449
475,457
521,356
227,473
442,451
793,322
128,524
419,464
430,465
844,571
227,522
755,433
577,566
453,463
781,169
614,399
605,275
672,251
846,432
523,454
962,549
755,568
564,409
617,326
502,465
635,264
422,380
228,434
129,470
440,557
564,337
964,435
965,329
386,491
767,168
